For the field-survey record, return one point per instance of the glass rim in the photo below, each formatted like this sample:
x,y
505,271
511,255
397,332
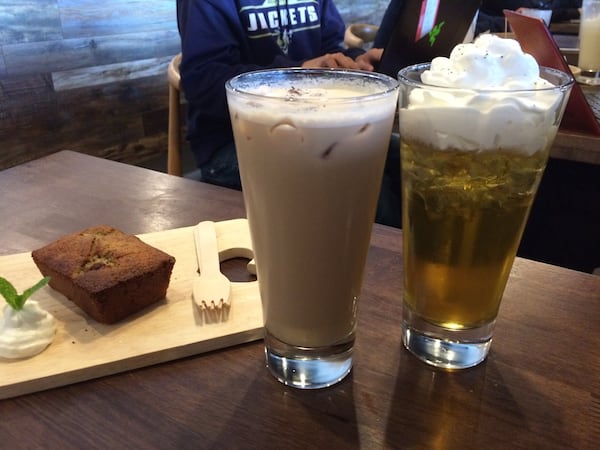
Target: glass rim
x,y
565,78
388,84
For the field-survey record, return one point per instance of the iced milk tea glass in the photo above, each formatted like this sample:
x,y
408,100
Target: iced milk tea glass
x,y
471,164
311,146
589,42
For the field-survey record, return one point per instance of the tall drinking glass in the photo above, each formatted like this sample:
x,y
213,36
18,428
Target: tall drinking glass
x,y
471,164
311,147
589,42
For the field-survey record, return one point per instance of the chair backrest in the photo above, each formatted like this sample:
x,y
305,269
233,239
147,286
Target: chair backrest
x,y
173,71
174,138
359,34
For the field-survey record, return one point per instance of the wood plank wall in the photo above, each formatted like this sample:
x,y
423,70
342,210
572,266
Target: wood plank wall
x,y
90,75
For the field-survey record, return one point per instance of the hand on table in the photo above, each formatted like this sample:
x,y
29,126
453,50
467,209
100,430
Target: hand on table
x,y
366,61
369,59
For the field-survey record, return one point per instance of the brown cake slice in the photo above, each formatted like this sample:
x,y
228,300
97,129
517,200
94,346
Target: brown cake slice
x,y
107,273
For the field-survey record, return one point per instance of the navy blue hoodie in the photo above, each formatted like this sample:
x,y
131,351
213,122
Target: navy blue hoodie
x,y
223,38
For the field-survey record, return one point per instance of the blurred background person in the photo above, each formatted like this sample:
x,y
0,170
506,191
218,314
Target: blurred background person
x,y
224,38
491,17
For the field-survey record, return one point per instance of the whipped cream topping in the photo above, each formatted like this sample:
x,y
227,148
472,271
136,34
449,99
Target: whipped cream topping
x,y
492,97
490,62
25,332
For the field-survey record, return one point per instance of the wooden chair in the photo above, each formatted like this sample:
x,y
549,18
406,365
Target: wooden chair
x,y
359,34
174,137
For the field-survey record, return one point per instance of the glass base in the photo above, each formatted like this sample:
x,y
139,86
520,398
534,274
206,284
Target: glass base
x,y
589,77
308,368
443,347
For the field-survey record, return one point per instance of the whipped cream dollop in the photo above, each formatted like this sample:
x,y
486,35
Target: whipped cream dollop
x,y
493,98
490,62
25,332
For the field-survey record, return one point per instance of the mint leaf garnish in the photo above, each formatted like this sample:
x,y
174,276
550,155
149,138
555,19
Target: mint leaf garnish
x,y
13,298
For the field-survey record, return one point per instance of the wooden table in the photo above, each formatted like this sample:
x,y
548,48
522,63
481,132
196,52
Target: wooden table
x,y
570,27
583,148
578,147
539,387
569,46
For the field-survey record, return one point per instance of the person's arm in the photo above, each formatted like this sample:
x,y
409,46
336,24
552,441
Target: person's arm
x,y
214,43
332,52
388,22
211,39
332,32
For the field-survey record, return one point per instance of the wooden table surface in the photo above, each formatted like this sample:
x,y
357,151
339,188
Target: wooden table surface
x,y
539,387
571,146
578,147
570,27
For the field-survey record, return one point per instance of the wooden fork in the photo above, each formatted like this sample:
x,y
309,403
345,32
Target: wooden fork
x,y
211,289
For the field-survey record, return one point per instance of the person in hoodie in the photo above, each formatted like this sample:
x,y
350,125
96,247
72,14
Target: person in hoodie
x,y
223,38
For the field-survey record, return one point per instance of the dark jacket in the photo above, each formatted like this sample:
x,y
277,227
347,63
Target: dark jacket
x,y
223,38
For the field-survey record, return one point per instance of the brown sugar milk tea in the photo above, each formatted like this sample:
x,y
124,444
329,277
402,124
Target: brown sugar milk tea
x,y
311,146
476,130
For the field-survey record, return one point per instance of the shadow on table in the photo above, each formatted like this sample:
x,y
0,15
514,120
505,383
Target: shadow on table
x,y
275,408
466,409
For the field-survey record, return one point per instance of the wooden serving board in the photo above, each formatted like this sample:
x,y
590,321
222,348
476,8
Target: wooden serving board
x,y
173,328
